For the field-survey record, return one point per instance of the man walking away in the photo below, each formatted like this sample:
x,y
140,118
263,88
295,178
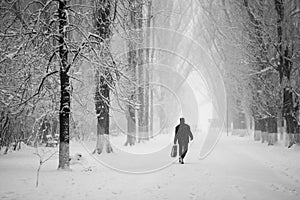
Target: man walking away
x,y
182,134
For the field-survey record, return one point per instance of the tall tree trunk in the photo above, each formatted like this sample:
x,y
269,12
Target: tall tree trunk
x,y
102,111
151,106
142,75
133,115
64,87
139,60
263,124
257,129
285,65
259,53
148,69
269,125
140,70
130,116
103,77
272,130
280,13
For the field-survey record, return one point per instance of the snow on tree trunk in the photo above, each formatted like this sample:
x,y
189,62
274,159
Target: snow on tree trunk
x,y
102,111
272,130
130,116
102,22
133,115
257,129
102,139
285,66
263,125
65,89
143,12
147,69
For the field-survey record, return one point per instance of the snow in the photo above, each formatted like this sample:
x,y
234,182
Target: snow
x,y
238,168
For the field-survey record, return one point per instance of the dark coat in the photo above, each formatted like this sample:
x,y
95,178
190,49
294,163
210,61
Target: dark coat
x,y
183,134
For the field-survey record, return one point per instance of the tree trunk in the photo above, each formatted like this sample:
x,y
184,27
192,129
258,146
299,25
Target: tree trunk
x,y
257,129
130,116
133,56
284,68
151,110
148,69
102,137
272,130
65,89
102,111
139,60
140,70
288,113
263,125
102,22
132,113
279,10
151,113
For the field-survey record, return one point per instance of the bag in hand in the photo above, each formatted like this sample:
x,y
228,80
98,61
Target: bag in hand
x,y
174,151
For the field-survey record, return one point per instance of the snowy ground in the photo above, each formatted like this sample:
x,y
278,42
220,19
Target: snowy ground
x,y
238,168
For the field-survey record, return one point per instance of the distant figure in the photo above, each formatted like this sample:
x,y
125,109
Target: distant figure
x,y
182,134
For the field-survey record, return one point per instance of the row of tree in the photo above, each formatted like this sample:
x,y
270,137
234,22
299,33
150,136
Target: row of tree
x,y
44,45
256,44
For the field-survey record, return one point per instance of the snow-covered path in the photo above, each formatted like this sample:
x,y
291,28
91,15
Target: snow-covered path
x,y
238,168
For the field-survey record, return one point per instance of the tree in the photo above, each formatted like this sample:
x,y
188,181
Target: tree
x,y
43,39
137,17
264,66
27,83
65,88
103,20
287,49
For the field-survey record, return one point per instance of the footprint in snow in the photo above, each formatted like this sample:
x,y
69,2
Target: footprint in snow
x,y
192,196
274,187
238,188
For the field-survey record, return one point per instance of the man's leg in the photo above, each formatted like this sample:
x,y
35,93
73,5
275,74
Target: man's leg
x,y
185,149
180,152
